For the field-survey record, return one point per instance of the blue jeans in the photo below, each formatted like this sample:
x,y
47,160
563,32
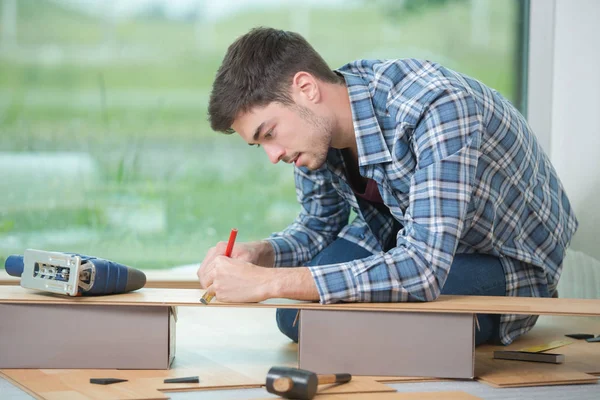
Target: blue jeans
x,y
470,274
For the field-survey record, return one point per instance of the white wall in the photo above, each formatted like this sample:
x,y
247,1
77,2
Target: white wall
x,y
564,78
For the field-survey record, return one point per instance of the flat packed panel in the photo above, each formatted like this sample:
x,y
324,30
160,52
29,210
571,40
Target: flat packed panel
x,y
380,343
68,336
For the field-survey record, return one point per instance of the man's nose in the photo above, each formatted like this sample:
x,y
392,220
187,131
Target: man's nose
x,y
274,152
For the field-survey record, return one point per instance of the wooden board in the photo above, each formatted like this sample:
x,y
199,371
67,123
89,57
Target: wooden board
x,y
503,373
142,384
173,279
149,384
579,355
581,358
444,304
358,384
450,395
53,387
6,279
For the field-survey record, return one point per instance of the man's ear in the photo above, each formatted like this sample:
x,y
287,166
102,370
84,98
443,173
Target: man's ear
x,y
306,87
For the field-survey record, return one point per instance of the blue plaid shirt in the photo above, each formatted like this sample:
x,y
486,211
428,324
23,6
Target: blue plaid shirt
x,y
458,166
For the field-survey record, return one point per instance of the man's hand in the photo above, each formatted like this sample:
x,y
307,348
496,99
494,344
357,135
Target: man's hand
x,y
258,253
235,280
245,276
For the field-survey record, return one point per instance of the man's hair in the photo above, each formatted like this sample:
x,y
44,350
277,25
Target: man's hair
x,y
257,70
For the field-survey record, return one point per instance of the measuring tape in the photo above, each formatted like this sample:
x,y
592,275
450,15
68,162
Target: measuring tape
x,y
546,346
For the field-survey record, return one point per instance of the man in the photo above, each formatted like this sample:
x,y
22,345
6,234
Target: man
x,y
451,190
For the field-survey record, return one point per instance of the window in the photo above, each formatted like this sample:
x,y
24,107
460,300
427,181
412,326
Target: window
x,y
104,145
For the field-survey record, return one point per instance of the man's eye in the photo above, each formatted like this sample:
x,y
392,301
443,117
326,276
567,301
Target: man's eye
x,y
269,134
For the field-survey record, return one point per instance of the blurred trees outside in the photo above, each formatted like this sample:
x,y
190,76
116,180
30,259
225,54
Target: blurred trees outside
x,y
105,147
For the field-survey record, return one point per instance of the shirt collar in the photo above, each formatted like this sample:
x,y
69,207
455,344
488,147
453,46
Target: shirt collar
x,y
372,148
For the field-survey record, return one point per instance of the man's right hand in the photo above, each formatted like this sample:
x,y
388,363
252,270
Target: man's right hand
x,y
260,253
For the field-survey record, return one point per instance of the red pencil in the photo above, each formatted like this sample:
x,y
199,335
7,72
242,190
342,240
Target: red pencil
x,y
206,298
230,243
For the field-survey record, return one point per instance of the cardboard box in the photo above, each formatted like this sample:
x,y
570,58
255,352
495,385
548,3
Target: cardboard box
x,y
380,343
82,336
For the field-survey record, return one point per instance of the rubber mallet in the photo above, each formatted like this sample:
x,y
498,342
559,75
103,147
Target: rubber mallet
x,y
294,383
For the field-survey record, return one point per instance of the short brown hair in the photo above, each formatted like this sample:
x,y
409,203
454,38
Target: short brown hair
x,y
257,70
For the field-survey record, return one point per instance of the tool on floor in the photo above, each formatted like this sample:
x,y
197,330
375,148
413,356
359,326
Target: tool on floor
x,y
529,356
106,381
546,346
73,274
580,335
593,340
187,379
206,297
294,383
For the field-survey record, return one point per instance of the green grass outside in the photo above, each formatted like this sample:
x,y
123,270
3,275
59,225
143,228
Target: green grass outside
x,y
154,151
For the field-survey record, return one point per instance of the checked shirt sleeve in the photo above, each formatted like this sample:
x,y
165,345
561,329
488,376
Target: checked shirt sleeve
x,y
323,215
446,146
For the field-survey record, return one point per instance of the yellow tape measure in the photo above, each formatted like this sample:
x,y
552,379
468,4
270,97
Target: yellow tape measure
x,y
546,346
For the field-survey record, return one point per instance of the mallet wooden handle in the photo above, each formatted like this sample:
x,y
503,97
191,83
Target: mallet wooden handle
x,y
334,378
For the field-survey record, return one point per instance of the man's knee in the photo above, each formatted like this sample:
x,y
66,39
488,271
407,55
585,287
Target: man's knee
x,y
285,321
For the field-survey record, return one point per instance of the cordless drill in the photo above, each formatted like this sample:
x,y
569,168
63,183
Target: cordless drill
x,y
73,274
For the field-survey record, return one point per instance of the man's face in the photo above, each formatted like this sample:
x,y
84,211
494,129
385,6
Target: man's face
x,y
290,133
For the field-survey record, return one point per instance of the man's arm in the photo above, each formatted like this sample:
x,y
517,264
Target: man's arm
x,y
234,280
446,142
294,283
